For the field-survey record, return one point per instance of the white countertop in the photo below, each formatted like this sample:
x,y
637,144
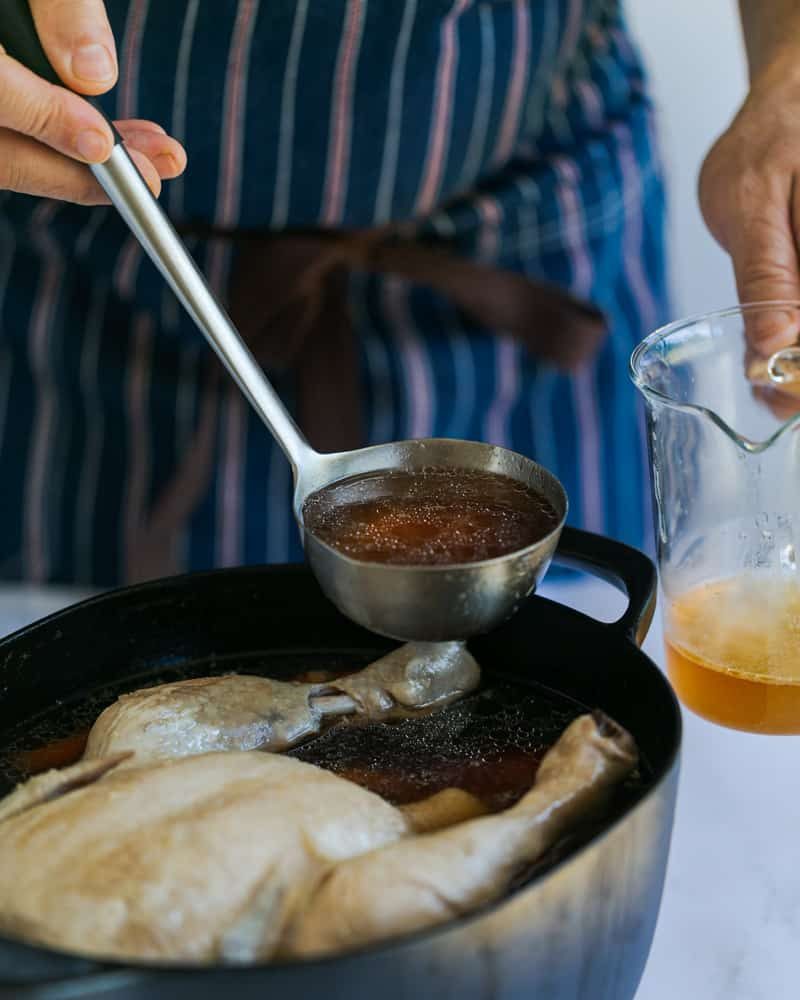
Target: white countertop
x,y
729,926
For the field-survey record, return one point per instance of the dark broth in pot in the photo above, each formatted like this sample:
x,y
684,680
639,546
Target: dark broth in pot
x,y
436,516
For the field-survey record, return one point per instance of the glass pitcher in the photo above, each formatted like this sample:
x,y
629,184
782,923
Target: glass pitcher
x,y
725,456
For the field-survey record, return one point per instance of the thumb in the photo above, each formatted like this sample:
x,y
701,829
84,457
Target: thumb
x,y
765,263
78,41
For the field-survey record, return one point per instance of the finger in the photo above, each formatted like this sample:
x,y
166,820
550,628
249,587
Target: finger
x,y
29,167
765,262
53,115
147,170
167,164
783,405
78,41
140,125
166,154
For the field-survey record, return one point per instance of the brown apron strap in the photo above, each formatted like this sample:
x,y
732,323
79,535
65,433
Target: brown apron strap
x,y
289,299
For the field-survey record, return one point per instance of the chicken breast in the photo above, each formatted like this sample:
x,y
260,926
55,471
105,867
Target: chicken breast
x,y
159,861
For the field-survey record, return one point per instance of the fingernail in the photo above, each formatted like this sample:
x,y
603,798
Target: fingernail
x,y
93,146
93,62
167,163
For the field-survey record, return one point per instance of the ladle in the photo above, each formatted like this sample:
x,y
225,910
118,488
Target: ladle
x,y
409,603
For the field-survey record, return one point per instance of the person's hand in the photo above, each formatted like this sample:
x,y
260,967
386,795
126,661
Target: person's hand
x,y
47,134
750,197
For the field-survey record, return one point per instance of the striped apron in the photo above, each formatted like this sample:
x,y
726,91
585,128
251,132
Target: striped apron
x,y
518,131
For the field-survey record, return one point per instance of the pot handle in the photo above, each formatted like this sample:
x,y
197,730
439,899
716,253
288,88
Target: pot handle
x,y
624,567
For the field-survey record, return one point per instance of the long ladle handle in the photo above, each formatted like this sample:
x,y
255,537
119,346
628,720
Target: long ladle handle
x,y
129,193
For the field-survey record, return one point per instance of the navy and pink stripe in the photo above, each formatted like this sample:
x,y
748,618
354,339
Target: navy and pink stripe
x,y
517,132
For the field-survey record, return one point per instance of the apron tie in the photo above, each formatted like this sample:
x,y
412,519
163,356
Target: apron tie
x,y
289,300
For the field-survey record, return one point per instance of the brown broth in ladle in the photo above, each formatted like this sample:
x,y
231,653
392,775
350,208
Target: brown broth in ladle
x,y
437,516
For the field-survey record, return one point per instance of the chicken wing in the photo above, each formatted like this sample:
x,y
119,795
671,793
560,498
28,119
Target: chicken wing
x,y
241,712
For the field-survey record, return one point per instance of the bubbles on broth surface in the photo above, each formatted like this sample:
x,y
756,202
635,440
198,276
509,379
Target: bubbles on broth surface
x,y
489,744
430,517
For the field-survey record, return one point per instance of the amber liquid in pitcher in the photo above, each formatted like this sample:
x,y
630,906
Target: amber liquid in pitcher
x,y
733,652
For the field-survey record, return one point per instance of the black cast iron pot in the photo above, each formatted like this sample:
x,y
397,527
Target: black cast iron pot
x,y
579,929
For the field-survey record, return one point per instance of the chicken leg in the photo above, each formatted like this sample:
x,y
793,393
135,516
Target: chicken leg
x,y
432,878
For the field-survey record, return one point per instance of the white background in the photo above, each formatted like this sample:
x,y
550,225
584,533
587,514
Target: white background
x,y
696,60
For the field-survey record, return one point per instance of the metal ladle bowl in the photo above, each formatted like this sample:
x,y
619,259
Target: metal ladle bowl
x,y
429,603
410,603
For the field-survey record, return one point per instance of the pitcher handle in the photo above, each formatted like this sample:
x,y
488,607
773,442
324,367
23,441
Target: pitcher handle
x,y
625,568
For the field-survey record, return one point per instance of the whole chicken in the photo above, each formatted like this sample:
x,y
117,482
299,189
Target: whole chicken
x,y
241,856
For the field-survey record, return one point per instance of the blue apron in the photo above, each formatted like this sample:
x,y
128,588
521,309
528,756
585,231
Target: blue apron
x,y
520,131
